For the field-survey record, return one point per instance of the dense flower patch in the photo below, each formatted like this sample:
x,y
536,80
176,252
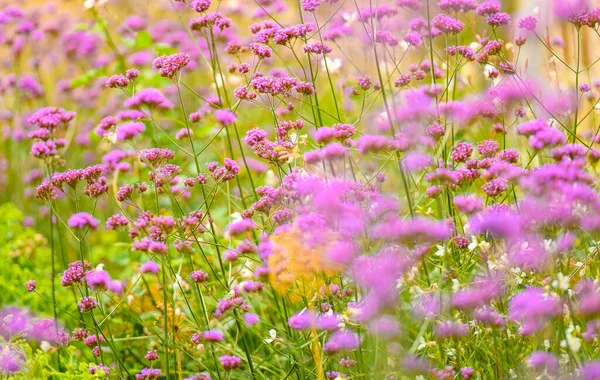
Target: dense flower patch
x,y
273,189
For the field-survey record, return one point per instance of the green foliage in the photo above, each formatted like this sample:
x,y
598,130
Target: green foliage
x,y
20,248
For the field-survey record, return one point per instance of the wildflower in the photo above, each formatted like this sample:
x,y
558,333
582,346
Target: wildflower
x,y
261,51
200,376
209,336
310,5
414,5
488,148
98,370
317,48
50,117
200,5
169,65
385,327
87,304
588,298
209,20
451,329
74,274
10,360
132,74
495,187
457,5
468,204
230,362
341,341
498,19
591,370
543,360
461,151
302,321
117,81
467,372
413,38
127,131
226,172
97,279
81,220
242,226
528,23
447,24
343,131
148,374
30,285
149,267
532,308
151,355
225,117
291,259
115,221
488,8
199,276
250,319
156,156
364,82
150,97
386,37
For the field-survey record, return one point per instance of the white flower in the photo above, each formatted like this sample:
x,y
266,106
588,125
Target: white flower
x,y
455,284
273,336
271,179
45,346
89,4
349,18
484,246
562,282
574,342
476,46
550,246
111,137
422,344
473,243
334,65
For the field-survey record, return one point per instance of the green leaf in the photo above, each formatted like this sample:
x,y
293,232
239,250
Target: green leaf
x,y
143,40
87,77
164,49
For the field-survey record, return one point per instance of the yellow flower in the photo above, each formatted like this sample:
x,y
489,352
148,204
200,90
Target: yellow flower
x,y
293,262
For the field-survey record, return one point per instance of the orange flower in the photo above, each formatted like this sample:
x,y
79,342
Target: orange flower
x,y
293,262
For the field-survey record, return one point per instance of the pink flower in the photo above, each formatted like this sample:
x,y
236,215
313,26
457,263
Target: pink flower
x,y
127,131
81,220
149,267
225,117
169,65
528,23
30,285
230,362
447,24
